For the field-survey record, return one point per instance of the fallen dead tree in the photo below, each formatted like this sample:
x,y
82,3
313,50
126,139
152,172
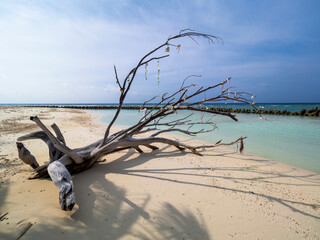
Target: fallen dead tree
x,y
65,161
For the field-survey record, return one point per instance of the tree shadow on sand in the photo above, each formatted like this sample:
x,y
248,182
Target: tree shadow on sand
x,y
108,214
4,187
120,166
174,224
104,211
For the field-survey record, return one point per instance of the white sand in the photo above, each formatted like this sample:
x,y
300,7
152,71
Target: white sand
x,y
164,194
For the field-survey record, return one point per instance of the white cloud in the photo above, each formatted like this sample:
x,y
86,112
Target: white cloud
x,y
39,48
62,52
112,89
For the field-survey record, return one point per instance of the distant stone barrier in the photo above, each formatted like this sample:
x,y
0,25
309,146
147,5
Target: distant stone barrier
x,y
314,112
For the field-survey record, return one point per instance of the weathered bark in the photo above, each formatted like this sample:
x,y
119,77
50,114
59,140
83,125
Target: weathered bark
x,y
63,180
21,228
54,153
60,137
26,156
65,161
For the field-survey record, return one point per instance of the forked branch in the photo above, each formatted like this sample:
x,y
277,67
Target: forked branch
x,y
127,82
148,131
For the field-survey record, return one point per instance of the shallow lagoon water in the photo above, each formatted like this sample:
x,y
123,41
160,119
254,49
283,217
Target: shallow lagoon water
x,y
290,139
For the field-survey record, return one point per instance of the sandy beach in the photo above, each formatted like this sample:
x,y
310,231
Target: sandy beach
x,y
163,194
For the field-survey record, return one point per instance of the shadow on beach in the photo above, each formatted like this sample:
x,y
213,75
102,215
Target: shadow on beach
x,y
107,209
105,212
120,166
4,188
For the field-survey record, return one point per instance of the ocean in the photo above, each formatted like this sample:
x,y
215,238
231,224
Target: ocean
x,y
292,140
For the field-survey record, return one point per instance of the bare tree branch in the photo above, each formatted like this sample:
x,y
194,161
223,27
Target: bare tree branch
x,y
117,79
58,133
155,121
130,77
63,148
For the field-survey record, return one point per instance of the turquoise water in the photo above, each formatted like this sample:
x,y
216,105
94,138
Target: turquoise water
x,y
291,107
290,139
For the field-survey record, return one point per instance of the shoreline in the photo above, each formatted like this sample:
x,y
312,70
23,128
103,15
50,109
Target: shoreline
x,y
247,149
158,194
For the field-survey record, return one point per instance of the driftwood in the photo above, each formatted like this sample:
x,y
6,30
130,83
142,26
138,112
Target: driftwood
x,y
54,153
63,180
65,161
3,216
21,228
26,156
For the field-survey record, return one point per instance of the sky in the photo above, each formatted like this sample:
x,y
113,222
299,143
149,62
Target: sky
x,y
63,51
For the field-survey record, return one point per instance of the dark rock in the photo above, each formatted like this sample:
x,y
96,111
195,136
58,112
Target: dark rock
x,y
302,112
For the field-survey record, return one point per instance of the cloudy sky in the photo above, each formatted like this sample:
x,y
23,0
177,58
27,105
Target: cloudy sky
x,y
63,51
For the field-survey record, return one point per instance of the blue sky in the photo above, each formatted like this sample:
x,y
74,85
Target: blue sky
x,y
64,51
